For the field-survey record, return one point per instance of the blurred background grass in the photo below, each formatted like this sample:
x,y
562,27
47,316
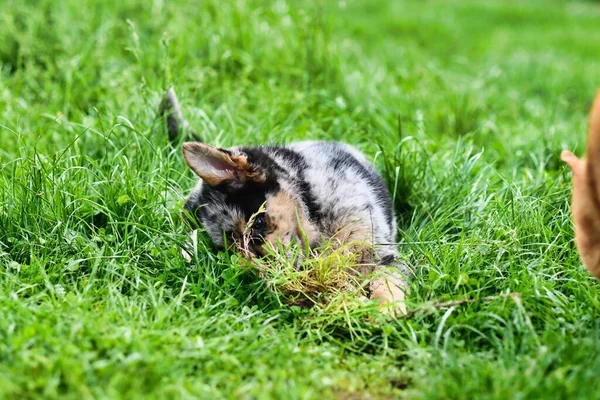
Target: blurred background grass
x,y
463,105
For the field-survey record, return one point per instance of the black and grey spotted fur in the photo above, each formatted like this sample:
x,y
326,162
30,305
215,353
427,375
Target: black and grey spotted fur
x,y
313,191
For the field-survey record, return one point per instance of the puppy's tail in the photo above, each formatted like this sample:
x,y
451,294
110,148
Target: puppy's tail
x,y
586,194
176,124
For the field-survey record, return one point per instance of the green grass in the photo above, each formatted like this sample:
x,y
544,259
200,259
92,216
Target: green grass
x,y
463,105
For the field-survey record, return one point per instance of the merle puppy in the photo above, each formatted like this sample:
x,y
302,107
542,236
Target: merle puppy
x,y
305,192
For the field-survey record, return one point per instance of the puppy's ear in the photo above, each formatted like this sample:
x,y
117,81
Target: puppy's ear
x,y
217,166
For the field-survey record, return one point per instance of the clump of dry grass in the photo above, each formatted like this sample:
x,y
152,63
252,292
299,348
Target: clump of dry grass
x,y
320,275
308,277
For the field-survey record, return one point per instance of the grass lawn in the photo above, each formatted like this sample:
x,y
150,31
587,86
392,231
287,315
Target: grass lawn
x,y
463,105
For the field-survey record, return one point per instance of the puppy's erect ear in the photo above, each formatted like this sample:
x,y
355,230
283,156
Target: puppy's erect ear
x,y
217,166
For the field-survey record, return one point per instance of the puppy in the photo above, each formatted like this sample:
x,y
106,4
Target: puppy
x,y
303,193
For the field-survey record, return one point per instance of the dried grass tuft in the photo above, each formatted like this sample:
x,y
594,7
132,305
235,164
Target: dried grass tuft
x,y
308,277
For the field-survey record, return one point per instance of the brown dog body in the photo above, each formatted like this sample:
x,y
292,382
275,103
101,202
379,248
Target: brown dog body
x,y
586,194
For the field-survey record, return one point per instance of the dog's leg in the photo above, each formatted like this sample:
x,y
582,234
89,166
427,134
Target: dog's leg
x,y
586,194
390,286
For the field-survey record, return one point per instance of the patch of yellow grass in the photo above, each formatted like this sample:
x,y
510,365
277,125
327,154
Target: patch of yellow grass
x,y
308,277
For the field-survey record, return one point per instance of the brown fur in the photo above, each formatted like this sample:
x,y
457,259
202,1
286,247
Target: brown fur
x,y
586,194
389,287
240,229
286,221
357,237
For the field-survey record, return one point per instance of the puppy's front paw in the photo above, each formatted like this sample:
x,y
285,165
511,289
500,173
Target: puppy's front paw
x,y
390,293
